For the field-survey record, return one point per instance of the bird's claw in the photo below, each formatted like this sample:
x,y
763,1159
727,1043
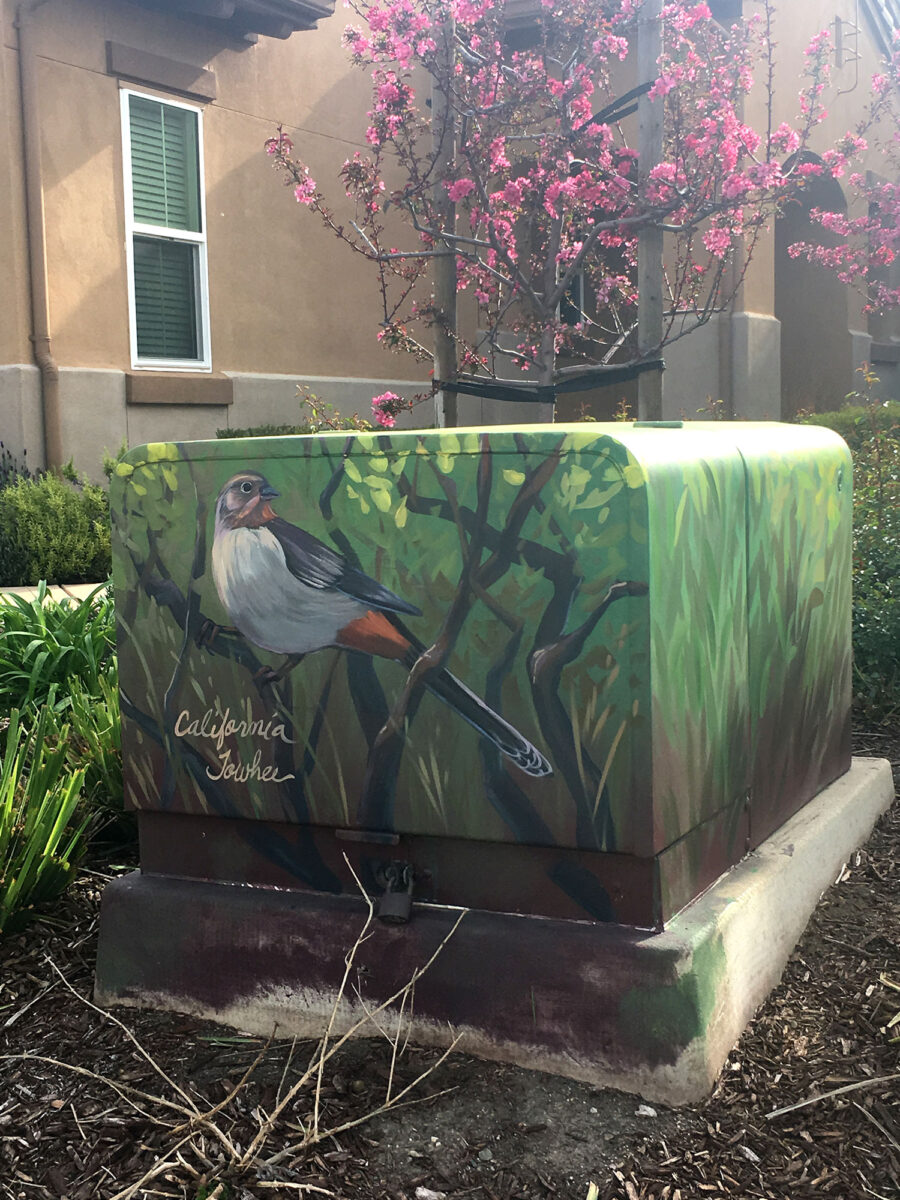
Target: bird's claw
x,y
209,631
267,676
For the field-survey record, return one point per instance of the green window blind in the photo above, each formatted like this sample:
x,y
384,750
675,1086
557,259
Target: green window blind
x,y
165,172
165,298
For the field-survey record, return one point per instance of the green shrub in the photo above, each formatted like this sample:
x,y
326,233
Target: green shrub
x,y
53,528
41,838
253,431
873,433
876,576
47,645
856,423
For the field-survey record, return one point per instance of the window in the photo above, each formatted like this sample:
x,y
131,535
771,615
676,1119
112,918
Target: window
x,y
166,234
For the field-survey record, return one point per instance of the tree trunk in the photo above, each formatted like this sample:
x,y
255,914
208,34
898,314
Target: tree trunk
x,y
650,241
444,278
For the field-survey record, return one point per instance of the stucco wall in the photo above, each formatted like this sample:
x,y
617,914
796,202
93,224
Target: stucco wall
x,y
285,297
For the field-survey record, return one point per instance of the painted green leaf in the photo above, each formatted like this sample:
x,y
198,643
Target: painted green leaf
x,y
580,441
595,498
378,483
516,478
156,451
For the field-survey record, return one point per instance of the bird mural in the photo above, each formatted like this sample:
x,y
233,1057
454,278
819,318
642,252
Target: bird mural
x,y
289,593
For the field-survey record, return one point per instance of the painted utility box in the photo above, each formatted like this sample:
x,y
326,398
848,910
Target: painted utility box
x,y
576,671
571,673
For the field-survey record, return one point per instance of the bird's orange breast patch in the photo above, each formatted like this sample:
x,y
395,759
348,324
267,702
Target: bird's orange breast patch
x,y
373,634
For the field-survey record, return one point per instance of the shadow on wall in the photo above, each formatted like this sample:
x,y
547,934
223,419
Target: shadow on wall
x,y
811,304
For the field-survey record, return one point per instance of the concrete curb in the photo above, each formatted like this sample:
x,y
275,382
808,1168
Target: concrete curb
x,y
747,924
55,591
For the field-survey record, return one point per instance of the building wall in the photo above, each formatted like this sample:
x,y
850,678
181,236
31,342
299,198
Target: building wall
x,y
825,334
289,303
795,335
286,299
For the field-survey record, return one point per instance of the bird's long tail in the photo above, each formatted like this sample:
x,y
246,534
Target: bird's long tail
x,y
473,709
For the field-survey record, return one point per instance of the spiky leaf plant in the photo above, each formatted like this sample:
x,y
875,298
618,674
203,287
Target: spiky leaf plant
x,y
41,837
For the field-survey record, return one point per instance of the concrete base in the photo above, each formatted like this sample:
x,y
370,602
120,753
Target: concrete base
x,y
649,1013
21,418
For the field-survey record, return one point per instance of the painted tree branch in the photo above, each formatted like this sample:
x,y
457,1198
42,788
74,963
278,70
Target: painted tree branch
x,y
384,757
546,664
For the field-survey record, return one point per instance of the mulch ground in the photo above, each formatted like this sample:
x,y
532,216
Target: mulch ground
x,y
101,1109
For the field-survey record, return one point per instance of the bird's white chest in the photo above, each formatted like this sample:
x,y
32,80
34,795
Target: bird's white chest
x,y
269,605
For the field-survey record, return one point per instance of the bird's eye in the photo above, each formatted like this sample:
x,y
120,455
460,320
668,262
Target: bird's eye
x,y
246,486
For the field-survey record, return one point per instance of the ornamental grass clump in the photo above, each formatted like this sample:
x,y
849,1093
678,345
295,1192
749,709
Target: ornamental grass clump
x,y
42,835
95,747
45,644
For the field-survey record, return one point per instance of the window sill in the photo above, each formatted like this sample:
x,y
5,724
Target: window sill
x,y
182,388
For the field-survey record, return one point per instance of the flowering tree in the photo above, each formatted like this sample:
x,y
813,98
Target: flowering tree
x,y
867,237
525,185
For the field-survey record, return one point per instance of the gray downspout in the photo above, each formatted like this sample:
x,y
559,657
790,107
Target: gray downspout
x,y
36,235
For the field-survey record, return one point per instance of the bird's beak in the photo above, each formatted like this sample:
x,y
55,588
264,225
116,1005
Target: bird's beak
x,y
268,492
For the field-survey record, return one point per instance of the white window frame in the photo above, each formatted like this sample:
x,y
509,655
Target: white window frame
x,y
162,233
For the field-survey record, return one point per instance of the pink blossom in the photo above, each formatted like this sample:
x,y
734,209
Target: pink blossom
x,y
785,139
717,241
512,193
385,405
459,189
279,145
498,159
305,191
611,44
388,92
684,18
664,84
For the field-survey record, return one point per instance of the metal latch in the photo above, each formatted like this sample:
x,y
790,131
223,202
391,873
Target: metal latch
x,y
395,905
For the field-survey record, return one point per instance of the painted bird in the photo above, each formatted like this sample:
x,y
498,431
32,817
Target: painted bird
x,y
287,592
